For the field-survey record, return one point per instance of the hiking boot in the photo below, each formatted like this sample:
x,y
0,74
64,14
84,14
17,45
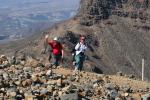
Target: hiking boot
x,y
76,69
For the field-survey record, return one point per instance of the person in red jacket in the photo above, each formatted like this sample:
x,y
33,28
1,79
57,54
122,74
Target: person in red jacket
x,y
57,50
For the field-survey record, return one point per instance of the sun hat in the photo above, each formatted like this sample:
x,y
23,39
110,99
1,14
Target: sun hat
x,y
55,38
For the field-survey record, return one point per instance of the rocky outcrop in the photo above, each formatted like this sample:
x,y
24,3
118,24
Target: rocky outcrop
x,y
91,11
121,28
30,82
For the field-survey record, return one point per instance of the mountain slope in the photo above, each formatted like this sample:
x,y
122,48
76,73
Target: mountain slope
x,y
123,29
117,31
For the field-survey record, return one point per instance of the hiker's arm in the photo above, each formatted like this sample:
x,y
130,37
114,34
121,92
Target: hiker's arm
x,y
45,44
77,46
48,41
62,51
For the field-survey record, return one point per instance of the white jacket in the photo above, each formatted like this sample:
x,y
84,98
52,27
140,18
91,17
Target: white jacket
x,y
80,47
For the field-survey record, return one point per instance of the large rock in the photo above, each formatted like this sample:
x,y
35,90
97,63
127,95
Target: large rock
x,y
72,96
26,82
31,62
49,73
59,82
70,88
145,97
27,69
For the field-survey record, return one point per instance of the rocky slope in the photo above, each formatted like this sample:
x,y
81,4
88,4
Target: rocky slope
x,y
27,78
117,34
122,30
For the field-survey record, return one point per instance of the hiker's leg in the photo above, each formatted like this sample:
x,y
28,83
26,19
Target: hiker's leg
x,y
81,63
50,56
77,58
73,60
58,59
82,59
54,60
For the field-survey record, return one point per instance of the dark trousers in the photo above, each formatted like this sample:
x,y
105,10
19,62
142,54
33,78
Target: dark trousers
x,y
79,61
56,59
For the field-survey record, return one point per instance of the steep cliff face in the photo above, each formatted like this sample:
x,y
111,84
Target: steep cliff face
x,y
102,9
122,29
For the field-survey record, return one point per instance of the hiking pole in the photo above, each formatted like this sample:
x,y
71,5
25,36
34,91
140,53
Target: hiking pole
x,y
142,69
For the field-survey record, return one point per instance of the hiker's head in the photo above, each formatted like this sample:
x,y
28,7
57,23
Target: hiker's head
x,y
55,39
82,39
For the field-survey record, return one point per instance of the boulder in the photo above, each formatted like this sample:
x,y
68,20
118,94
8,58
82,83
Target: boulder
x,y
26,82
70,88
145,97
49,73
59,82
72,78
31,62
44,91
126,88
72,96
27,69
13,60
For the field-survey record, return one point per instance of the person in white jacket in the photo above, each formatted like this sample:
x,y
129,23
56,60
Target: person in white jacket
x,y
79,54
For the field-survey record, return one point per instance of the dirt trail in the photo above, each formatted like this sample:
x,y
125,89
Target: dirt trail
x,y
119,80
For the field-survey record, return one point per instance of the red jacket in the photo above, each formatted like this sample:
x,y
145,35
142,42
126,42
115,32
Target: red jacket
x,y
56,47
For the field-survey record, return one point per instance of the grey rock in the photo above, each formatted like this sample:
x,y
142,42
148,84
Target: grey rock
x,y
43,92
13,60
72,96
2,66
87,87
131,76
59,82
1,72
36,92
49,73
70,89
109,86
112,94
5,75
88,93
119,73
19,95
126,88
145,97
72,78
27,69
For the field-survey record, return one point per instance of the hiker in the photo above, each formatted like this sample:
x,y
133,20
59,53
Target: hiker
x,y
79,54
57,50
